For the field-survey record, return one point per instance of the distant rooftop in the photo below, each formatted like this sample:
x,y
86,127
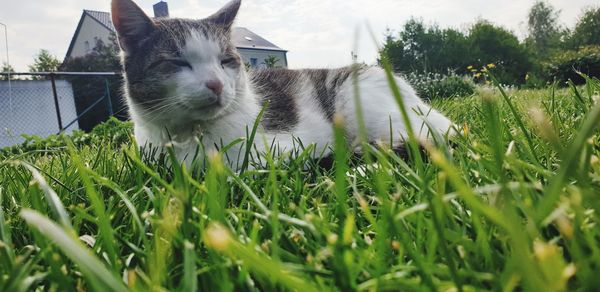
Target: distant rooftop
x,y
242,37
102,17
246,39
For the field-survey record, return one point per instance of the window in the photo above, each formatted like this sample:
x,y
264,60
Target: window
x,y
253,62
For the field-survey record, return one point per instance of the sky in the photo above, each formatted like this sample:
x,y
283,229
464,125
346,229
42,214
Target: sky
x,y
317,33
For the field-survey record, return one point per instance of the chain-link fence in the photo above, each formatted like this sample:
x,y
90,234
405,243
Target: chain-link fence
x,y
49,103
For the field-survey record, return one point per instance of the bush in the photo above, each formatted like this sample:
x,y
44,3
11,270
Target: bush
x,y
564,66
431,85
113,132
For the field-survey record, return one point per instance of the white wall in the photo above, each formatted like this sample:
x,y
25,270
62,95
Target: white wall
x,y
261,55
89,32
29,109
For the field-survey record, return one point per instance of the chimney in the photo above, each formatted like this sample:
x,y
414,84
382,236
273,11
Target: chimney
x,y
161,9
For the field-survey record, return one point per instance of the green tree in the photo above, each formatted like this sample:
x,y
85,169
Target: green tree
x,y
490,44
426,49
88,89
271,61
5,69
587,29
393,49
544,31
44,62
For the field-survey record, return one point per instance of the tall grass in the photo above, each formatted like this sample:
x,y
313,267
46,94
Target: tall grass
x,y
512,205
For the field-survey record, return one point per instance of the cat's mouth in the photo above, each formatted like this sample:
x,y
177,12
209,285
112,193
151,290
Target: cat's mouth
x,y
204,102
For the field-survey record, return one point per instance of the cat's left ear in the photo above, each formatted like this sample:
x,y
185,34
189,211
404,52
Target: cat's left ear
x,y
226,15
131,23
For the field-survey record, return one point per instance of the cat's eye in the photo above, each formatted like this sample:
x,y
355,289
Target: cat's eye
x,y
180,63
228,62
175,62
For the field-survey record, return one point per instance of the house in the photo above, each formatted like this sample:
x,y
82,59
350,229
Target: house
x,y
97,25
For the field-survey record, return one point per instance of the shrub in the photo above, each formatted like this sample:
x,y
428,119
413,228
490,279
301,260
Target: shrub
x,y
113,132
431,85
564,66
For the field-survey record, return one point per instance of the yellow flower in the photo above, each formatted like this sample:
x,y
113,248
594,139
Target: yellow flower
x,y
491,65
470,67
484,69
477,75
473,70
527,77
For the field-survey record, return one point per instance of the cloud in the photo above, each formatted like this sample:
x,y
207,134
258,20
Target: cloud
x,y
317,33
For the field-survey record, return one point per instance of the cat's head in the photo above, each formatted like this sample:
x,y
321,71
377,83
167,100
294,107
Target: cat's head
x,y
178,68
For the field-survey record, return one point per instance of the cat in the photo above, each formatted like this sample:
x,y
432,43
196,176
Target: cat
x,y
185,79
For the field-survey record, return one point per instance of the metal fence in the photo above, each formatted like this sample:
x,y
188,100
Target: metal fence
x,y
42,103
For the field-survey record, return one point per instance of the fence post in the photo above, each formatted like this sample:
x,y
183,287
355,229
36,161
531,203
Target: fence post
x,y
108,99
52,79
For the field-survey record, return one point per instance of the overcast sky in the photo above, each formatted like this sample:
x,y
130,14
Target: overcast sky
x,y
317,33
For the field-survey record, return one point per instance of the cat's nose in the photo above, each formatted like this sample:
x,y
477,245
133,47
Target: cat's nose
x,y
215,86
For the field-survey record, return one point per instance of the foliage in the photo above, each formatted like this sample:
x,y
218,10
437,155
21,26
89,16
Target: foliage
x,y
587,29
88,89
491,44
114,131
44,62
271,61
544,31
429,49
512,206
434,85
5,69
566,65
420,48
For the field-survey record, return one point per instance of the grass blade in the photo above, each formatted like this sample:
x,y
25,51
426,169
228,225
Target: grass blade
x,y
91,266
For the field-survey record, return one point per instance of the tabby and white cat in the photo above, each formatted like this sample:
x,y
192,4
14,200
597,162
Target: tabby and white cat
x,y
185,78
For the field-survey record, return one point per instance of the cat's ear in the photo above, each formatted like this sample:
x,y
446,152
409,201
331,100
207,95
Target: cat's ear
x,y
226,15
131,23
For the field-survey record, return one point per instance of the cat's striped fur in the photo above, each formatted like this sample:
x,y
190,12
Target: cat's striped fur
x,y
184,79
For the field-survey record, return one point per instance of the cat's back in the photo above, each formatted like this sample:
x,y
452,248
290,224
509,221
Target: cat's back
x,y
289,92
306,100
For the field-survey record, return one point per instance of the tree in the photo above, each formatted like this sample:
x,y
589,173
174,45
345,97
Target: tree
x,y
490,44
426,49
393,50
587,29
88,89
44,62
5,69
544,32
271,61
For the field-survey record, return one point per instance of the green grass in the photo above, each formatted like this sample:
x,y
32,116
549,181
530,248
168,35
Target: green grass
x,y
512,205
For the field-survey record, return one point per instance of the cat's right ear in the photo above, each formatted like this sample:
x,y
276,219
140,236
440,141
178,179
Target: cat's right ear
x,y
131,23
226,15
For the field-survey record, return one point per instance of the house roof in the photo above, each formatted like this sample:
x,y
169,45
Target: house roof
x,y
242,37
246,39
102,17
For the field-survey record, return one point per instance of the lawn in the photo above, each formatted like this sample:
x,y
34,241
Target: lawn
x,y
513,204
